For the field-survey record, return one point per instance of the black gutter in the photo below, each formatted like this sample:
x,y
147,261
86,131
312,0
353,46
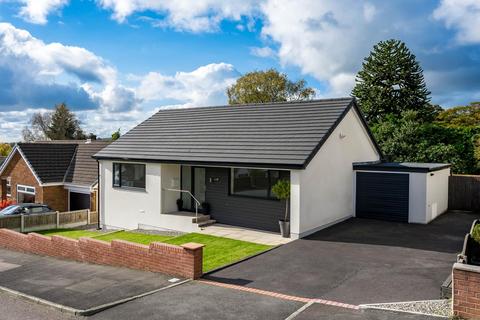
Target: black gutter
x,y
380,167
98,195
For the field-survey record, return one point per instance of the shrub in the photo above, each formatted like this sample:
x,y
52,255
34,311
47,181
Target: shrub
x,y
6,203
476,233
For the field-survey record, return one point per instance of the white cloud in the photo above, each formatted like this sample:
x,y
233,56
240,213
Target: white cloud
x,y
463,16
203,86
326,39
36,11
342,84
262,52
369,11
36,74
184,15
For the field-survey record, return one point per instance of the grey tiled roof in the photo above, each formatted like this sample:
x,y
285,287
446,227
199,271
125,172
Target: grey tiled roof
x,y
49,161
2,159
83,169
270,135
63,161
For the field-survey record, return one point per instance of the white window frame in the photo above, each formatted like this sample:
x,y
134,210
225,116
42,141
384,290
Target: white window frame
x,y
24,189
9,186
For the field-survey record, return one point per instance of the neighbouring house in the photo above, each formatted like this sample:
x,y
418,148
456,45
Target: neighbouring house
x,y
60,174
2,159
228,158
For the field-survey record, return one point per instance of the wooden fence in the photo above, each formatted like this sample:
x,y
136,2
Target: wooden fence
x,y
464,192
38,222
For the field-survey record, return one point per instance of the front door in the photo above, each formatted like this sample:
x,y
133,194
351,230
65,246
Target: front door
x,y
193,180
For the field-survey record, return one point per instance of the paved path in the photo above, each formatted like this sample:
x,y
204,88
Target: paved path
x,y
359,261
72,284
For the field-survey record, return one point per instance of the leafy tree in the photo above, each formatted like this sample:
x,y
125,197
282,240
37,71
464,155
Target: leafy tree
x,y
61,124
5,149
407,138
391,81
460,117
64,125
267,86
116,135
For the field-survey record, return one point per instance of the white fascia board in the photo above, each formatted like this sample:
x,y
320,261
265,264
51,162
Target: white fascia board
x,y
10,156
17,149
78,189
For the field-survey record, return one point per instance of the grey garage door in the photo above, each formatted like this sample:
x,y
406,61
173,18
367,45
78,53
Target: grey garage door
x,y
79,201
382,196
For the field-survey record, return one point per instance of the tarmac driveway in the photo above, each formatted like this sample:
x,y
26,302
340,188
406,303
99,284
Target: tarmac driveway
x,y
360,261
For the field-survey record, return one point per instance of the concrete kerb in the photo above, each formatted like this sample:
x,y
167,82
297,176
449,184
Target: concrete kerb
x,y
90,311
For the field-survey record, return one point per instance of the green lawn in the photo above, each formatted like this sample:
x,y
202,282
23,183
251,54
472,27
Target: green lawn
x,y
220,251
134,237
217,252
70,233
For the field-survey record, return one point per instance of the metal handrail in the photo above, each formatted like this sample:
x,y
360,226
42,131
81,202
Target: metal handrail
x,y
197,203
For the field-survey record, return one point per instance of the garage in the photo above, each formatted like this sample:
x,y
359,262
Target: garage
x,y
382,196
401,192
79,201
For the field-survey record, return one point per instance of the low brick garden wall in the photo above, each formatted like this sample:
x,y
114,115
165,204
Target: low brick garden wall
x,y
466,291
184,261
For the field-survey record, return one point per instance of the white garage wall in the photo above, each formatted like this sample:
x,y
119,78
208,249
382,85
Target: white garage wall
x,y
322,193
437,193
417,197
146,209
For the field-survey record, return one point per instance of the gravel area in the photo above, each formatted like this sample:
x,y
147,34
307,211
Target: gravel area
x,y
441,308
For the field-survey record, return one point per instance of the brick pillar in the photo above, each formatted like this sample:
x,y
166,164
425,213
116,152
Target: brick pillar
x,y
194,259
466,291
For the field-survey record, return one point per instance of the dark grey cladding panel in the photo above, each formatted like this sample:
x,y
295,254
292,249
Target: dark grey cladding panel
x,y
281,134
240,211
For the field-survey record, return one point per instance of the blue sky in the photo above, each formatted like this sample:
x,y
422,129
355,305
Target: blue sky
x,y
115,62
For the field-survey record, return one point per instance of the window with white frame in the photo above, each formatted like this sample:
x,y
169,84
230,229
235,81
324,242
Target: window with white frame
x,y
25,194
9,187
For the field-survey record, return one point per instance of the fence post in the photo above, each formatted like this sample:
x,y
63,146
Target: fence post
x,y
22,223
58,219
88,217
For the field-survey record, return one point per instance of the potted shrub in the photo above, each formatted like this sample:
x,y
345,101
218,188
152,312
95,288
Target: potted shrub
x,y
180,204
282,191
473,249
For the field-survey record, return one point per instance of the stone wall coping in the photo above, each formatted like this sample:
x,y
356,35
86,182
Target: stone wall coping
x,y
192,246
466,267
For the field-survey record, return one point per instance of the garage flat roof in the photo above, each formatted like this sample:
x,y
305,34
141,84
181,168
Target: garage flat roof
x,y
400,166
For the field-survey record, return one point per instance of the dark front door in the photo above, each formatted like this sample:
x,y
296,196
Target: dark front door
x,y
193,180
382,196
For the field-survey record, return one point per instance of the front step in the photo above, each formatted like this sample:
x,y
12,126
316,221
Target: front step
x,y
201,218
206,223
